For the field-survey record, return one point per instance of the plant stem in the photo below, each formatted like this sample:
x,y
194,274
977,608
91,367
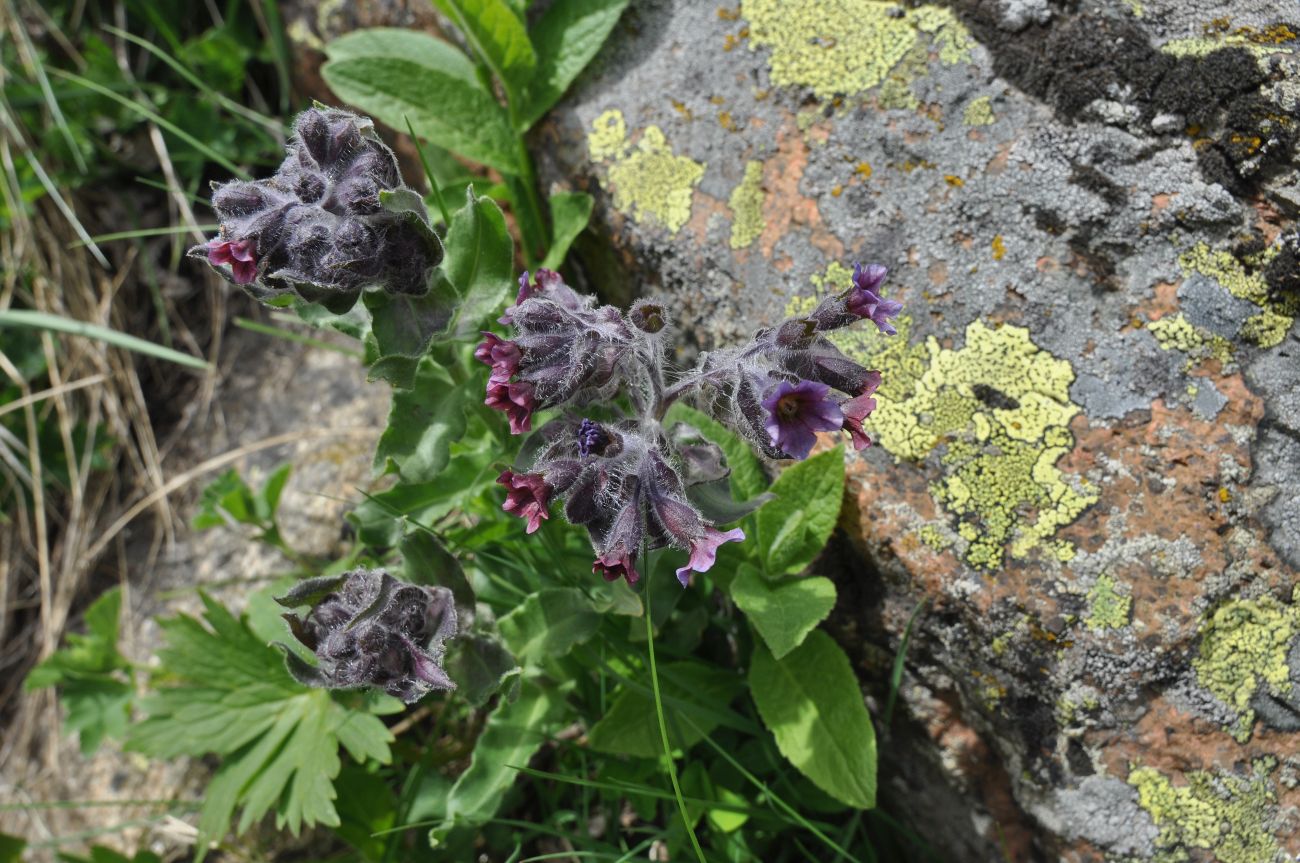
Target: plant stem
x,y
663,729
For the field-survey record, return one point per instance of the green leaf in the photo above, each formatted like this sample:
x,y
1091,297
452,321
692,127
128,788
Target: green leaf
x,y
268,501
514,732
549,623
570,212
227,493
422,423
499,37
811,703
60,324
425,560
91,676
11,848
229,694
410,206
783,612
793,528
480,666
480,262
630,726
394,75
747,477
402,327
567,37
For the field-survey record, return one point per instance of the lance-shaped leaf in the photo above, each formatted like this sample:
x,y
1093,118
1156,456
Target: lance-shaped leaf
x,y
479,266
567,37
570,213
498,36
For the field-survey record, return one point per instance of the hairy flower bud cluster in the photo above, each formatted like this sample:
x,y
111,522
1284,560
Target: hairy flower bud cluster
x,y
318,228
632,483
369,629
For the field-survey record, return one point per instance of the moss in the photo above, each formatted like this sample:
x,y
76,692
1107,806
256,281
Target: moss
x,y
650,182
746,204
1266,329
1217,811
1107,608
1243,648
847,46
979,112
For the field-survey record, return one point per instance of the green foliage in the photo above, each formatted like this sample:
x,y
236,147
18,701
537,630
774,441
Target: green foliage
x,y
229,499
497,34
549,623
423,422
692,689
224,691
101,854
792,529
811,703
567,37
92,676
783,612
570,212
11,848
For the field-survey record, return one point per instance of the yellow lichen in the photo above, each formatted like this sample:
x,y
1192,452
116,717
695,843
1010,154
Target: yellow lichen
x,y
933,537
1222,812
1176,333
999,248
746,204
979,112
608,136
847,46
1107,608
1266,329
1201,46
1245,647
650,182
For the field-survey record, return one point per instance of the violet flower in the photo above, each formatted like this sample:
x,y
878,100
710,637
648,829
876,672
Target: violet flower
x,y
864,302
704,552
527,496
796,412
857,409
240,255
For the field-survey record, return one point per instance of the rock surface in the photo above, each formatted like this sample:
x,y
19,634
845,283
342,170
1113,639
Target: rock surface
x,y
1089,430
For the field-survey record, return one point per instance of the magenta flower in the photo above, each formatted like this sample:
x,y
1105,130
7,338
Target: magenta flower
x,y
857,409
704,551
796,412
543,282
864,302
616,564
502,356
527,496
240,255
516,400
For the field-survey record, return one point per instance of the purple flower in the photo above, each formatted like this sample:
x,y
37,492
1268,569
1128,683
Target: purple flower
x,y
516,400
502,356
704,551
796,412
545,281
857,409
616,564
864,302
241,255
592,438
527,496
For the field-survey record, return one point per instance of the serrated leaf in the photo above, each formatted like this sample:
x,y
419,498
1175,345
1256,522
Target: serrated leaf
x,y
549,623
513,733
783,612
90,675
567,37
630,726
396,75
793,528
480,262
811,703
422,423
570,213
229,694
747,477
499,37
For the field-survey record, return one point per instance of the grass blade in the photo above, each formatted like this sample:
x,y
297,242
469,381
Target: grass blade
x,y
896,674
43,321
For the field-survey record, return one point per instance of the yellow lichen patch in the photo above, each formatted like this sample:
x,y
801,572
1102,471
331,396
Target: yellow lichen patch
x,y
1107,608
1244,648
847,46
1221,812
863,170
979,112
935,538
650,182
1001,408
1245,38
746,204
998,247
1176,333
1270,326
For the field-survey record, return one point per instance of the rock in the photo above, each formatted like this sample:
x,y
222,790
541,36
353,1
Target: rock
x,y
1087,449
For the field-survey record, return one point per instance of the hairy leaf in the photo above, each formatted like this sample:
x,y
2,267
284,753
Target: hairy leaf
x,y
229,694
91,676
630,726
747,477
567,37
396,75
793,528
549,623
783,612
811,703
480,262
498,36
422,423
